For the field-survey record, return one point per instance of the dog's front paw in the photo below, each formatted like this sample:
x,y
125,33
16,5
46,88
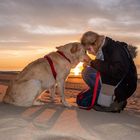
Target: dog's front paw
x,y
66,104
37,103
53,98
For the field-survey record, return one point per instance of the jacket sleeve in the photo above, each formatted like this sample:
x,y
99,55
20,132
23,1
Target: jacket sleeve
x,y
115,69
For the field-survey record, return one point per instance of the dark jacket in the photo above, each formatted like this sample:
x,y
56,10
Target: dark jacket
x,y
117,66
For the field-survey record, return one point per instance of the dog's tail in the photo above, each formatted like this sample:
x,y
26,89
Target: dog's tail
x,y
133,51
7,98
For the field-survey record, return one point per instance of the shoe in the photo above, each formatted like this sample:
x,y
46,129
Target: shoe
x,y
124,104
101,108
115,107
118,106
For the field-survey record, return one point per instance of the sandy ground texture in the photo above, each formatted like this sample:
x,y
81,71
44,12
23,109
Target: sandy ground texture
x,y
55,122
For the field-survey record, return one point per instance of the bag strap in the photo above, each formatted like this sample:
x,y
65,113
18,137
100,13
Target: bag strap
x,y
95,90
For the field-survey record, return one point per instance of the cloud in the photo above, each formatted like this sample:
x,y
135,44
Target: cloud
x,y
29,29
50,30
34,22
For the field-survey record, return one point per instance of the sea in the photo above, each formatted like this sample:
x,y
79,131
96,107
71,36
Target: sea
x,y
18,70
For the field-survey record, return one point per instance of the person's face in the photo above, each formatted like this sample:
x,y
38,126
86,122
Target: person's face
x,y
90,49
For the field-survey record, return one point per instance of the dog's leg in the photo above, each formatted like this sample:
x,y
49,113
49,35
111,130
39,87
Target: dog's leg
x,y
37,100
61,86
52,92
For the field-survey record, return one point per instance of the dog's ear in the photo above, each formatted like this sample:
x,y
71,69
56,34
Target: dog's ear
x,y
59,47
75,48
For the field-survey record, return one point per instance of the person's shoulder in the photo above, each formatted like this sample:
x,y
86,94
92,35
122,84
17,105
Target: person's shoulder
x,y
108,42
115,42
122,43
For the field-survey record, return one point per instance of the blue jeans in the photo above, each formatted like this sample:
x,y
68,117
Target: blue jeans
x,y
89,76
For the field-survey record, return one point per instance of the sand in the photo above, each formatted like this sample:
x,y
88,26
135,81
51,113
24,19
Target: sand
x,y
55,122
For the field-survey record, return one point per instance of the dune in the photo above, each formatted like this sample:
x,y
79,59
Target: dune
x,y
55,122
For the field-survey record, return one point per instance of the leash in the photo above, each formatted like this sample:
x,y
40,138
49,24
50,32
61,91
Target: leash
x,y
95,90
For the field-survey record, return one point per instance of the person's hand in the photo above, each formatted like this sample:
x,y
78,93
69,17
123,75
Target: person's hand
x,y
85,65
86,61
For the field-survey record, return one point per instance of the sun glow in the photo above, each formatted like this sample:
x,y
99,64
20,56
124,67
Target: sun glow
x,y
77,70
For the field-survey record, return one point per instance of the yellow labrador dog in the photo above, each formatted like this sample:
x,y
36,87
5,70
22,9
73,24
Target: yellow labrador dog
x,y
37,76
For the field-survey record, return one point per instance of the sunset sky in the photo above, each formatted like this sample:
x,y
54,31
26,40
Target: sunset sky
x,y
29,29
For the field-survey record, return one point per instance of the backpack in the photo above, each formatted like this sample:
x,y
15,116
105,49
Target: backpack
x,y
86,99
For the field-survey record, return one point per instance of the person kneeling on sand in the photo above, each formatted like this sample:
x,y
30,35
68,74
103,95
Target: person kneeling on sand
x,y
115,63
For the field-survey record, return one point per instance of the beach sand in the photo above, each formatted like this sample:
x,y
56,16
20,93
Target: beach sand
x,y
53,121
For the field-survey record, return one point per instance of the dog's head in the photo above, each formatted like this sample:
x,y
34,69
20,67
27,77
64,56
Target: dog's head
x,y
74,51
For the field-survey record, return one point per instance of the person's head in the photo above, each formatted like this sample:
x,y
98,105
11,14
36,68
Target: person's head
x,y
91,41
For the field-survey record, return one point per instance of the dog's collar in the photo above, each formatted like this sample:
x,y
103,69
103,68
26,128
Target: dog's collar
x,y
62,54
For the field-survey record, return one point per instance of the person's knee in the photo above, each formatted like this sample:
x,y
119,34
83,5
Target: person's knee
x,y
89,76
86,74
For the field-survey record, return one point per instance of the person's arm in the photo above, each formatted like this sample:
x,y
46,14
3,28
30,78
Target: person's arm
x,y
116,68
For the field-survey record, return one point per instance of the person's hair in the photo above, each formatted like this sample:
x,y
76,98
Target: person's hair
x,y
89,38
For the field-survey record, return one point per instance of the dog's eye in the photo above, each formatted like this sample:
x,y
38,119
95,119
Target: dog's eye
x,y
93,43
